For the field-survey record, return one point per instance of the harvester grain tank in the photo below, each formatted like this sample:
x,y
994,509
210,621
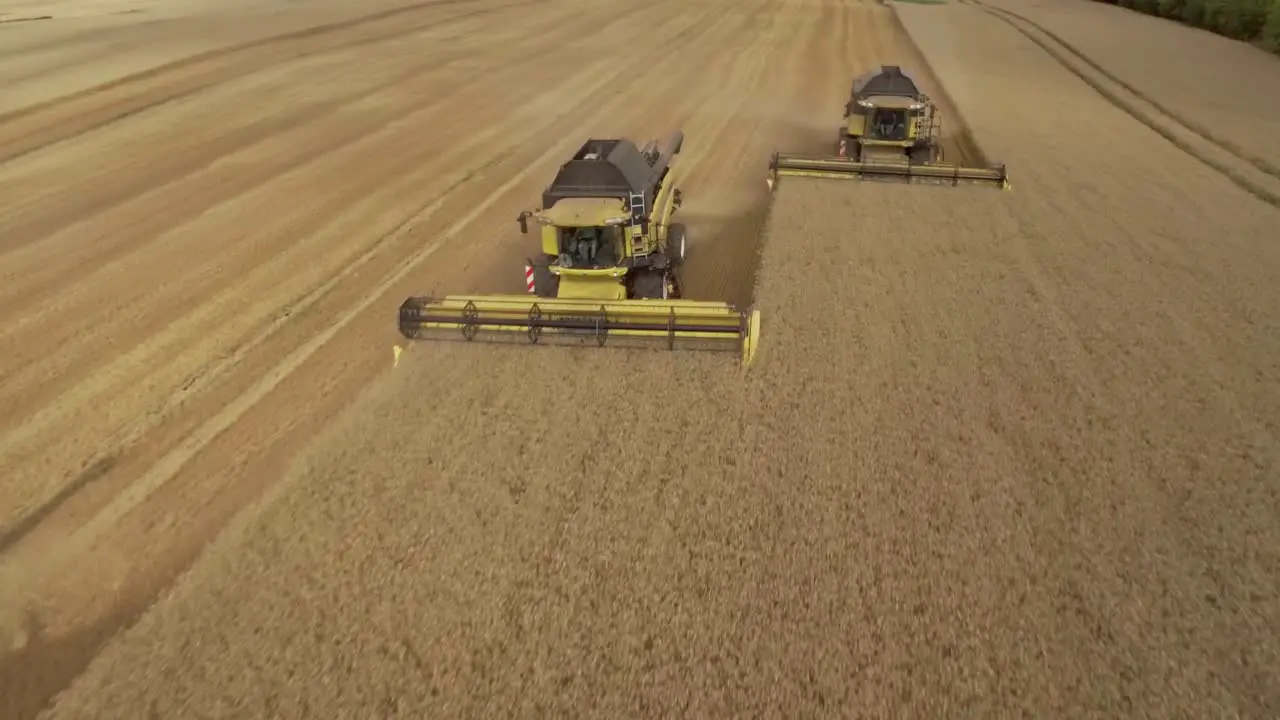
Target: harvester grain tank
x,y
891,132
609,267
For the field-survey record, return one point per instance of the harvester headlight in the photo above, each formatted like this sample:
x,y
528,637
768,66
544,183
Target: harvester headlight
x,y
918,106
865,104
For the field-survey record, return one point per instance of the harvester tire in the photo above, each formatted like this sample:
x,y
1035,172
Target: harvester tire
x,y
649,286
677,243
545,283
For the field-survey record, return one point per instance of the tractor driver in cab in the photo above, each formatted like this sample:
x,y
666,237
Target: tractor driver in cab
x,y
889,124
590,247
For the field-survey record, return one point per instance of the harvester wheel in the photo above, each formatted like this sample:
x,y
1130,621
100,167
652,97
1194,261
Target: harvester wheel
x,y
650,286
677,243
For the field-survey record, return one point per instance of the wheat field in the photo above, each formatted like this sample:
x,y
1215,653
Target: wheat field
x,y
1002,453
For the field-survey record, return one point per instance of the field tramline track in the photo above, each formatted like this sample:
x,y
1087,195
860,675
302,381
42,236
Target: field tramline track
x,y
511,143
311,117
1255,176
31,129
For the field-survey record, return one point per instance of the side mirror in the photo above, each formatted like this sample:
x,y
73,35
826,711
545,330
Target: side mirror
x,y
678,200
524,222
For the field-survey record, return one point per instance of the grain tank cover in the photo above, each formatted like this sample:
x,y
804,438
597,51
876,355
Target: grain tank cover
x,y
888,81
608,168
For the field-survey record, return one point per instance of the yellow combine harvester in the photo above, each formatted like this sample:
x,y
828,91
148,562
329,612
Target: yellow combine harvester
x,y
609,268
891,131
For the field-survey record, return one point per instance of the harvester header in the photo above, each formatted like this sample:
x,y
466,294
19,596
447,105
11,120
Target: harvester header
x,y
609,267
824,166
670,324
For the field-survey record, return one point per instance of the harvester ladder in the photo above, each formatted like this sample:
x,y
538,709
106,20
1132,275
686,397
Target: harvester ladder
x,y
930,127
636,205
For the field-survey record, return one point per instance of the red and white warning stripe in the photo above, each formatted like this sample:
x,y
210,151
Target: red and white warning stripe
x,y
528,277
844,149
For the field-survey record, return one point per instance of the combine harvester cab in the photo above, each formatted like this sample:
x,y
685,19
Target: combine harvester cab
x,y
891,132
608,273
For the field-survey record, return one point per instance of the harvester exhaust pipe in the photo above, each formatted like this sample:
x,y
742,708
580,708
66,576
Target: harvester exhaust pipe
x,y
669,146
